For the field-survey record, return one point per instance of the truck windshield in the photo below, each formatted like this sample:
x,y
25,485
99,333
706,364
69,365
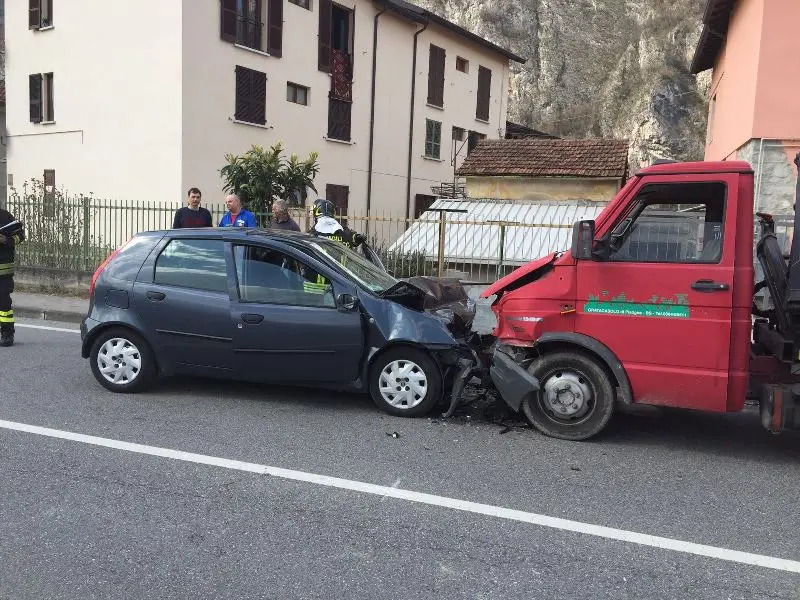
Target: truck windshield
x,y
359,268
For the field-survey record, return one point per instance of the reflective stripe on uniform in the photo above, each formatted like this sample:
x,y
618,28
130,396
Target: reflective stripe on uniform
x,y
6,316
313,288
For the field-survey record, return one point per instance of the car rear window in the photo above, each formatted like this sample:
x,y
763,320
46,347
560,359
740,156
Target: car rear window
x,y
193,263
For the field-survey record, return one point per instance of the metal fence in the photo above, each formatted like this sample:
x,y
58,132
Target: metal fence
x,y
77,233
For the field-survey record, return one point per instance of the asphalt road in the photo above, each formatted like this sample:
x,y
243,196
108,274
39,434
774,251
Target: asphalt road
x,y
84,521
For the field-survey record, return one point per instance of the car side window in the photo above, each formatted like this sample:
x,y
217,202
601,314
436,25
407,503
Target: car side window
x,y
673,223
197,264
269,276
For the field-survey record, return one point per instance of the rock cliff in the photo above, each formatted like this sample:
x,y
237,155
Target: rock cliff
x,y
610,68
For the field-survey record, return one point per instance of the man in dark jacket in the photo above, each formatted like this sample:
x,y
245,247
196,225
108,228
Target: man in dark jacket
x,y
192,215
12,233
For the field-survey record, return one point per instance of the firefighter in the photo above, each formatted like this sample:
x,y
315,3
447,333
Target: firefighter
x,y
326,225
11,234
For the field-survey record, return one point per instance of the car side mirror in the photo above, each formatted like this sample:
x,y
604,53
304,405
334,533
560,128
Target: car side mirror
x,y
583,240
347,301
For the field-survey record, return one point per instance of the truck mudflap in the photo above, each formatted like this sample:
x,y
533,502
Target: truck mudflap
x,y
780,407
511,380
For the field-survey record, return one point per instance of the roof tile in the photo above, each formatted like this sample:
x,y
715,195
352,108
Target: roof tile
x,y
548,158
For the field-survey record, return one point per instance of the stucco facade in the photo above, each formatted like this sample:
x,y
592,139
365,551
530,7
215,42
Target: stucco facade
x,y
147,110
560,189
753,95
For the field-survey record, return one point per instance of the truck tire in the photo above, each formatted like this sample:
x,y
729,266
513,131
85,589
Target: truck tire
x,y
576,398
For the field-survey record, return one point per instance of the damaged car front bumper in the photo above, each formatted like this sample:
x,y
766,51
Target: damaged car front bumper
x,y
484,358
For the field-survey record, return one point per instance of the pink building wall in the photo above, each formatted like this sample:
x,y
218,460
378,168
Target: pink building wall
x,y
755,90
732,98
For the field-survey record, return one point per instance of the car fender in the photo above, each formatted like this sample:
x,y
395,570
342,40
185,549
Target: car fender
x,y
595,347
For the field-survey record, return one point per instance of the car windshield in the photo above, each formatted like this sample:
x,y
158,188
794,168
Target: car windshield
x,y
357,266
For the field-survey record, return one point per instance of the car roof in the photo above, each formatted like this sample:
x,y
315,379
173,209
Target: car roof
x,y
296,239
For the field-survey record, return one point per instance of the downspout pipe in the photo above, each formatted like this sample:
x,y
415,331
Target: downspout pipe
x,y
372,111
411,123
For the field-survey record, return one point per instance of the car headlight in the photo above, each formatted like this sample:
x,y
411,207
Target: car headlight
x,y
445,315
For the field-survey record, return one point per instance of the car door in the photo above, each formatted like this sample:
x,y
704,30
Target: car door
x,y
662,299
287,327
182,297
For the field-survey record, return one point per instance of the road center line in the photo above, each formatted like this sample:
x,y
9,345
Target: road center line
x,y
47,328
633,537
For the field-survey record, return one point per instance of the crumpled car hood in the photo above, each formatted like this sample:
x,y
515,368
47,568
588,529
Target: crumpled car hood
x,y
436,295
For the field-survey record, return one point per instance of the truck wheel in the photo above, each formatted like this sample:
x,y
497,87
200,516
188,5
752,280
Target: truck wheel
x,y
575,400
405,382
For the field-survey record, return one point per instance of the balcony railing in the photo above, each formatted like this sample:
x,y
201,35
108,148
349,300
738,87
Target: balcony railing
x,y
248,32
341,75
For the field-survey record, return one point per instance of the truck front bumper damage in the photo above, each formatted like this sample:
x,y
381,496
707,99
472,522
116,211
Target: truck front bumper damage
x,y
495,369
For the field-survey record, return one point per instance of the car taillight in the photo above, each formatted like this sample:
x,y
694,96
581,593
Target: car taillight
x,y
103,265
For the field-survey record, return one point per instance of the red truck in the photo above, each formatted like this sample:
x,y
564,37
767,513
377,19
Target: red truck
x,y
654,304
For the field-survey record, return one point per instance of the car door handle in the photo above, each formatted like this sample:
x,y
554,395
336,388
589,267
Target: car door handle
x,y
707,285
252,319
158,296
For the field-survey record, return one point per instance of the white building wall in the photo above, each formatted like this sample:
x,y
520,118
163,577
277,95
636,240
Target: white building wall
x,y
117,81
144,109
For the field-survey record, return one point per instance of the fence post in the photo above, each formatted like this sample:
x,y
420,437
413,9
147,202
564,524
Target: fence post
x,y
442,227
85,206
502,247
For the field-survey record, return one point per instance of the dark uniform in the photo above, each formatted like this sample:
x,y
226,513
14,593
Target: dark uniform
x,y
7,257
324,208
326,225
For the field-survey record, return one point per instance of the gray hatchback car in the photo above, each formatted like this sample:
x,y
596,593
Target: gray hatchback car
x,y
273,307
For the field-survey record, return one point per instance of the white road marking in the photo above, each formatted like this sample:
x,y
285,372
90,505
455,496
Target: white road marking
x,y
47,328
759,560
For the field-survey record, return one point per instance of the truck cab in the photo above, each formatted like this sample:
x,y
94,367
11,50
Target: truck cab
x,y
652,304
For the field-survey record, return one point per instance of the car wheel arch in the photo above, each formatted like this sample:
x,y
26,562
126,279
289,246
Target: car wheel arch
x,y
593,348
101,329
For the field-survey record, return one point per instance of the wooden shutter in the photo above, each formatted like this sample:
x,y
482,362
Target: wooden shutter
x,y
325,25
258,96
436,64
275,25
339,119
227,20
35,86
339,195
484,93
251,96
34,14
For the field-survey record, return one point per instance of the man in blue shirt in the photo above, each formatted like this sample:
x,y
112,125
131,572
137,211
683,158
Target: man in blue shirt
x,y
236,215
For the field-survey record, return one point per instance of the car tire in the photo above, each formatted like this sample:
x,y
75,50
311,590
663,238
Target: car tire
x,y
576,398
405,382
121,354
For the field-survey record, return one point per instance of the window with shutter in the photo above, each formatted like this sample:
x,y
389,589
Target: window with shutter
x,y
275,24
339,195
339,119
251,96
433,139
484,93
325,35
35,87
40,14
436,63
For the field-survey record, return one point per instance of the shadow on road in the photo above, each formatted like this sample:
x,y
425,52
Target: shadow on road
x,y
738,434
